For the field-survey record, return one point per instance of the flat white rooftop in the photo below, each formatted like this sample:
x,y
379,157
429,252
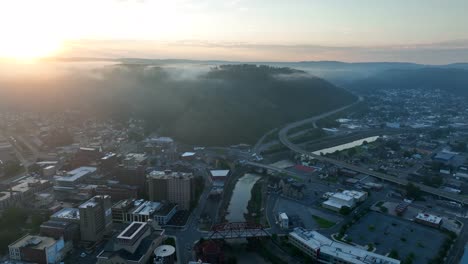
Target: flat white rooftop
x,y
219,173
76,174
351,254
342,196
429,218
68,213
146,207
132,230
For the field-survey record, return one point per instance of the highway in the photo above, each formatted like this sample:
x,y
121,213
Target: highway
x,y
283,137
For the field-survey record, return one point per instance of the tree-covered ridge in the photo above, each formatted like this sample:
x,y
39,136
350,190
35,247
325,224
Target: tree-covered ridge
x,y
227,104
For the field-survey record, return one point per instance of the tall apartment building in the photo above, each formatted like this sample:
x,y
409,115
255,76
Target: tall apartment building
x,y
174,187
95,218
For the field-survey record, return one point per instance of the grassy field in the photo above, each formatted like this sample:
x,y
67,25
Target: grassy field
x,y
323,223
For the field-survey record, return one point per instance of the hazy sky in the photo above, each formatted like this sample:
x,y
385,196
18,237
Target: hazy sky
x,y
428,31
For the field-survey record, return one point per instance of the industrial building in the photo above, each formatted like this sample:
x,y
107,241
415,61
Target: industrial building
x,y
95,218
324,250
174,187
346,198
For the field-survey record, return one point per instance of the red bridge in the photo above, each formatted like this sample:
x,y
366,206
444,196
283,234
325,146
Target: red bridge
x,y
237,230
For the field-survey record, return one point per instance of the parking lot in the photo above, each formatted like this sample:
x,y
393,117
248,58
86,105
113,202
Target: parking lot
x,y
389,233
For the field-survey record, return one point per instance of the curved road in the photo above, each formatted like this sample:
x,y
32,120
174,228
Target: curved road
x,y
283,137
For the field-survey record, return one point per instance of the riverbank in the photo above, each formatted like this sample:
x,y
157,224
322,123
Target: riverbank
x,y
257,203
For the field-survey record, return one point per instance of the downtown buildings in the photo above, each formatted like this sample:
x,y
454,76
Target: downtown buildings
x,y
174,187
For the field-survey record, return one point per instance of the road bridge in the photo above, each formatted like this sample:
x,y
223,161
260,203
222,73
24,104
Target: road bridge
x,y
237,230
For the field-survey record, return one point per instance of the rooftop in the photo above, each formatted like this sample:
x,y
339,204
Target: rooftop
x,y
76,174
146,207
429,218
188,154
164,251
36,242
68,213
169,174
343,251
342,196
26,184
92,202
139,157
219,173
132,230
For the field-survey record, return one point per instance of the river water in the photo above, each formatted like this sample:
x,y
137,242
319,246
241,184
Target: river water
x,y
346,146
240,197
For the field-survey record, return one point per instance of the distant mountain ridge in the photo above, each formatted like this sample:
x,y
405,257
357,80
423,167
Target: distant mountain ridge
x,y
337,72
454,80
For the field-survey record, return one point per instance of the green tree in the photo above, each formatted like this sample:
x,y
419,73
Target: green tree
x,y
394,254
413,191
345,210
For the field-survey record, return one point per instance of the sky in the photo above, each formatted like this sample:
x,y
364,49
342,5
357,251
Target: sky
x,y
423,31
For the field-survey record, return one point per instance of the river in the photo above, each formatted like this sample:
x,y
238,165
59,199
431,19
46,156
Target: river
x,y
346,146
240,197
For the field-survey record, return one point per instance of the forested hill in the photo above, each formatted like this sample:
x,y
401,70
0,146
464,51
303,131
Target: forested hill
x,y
451,80
224,105
234,104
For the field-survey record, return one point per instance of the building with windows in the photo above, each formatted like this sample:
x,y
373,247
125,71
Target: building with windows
x,y
174,187
74,177
95,218
37,249
347,198
71,215
429,220
24,190
324,250
127,211
134,245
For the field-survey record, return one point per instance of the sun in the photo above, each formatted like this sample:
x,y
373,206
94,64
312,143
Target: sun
x,y
28,48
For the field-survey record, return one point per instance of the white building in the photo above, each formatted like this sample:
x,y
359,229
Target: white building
x,y
346,198
283,220
429,220
73,177
326,251
357,195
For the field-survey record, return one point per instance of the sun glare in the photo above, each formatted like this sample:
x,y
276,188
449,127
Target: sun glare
x,y
25,49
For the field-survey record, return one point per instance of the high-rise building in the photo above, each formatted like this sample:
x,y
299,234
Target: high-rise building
x,y
95,218
174,187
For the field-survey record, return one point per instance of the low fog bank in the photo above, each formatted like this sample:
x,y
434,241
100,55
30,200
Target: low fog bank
x,y
201,103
